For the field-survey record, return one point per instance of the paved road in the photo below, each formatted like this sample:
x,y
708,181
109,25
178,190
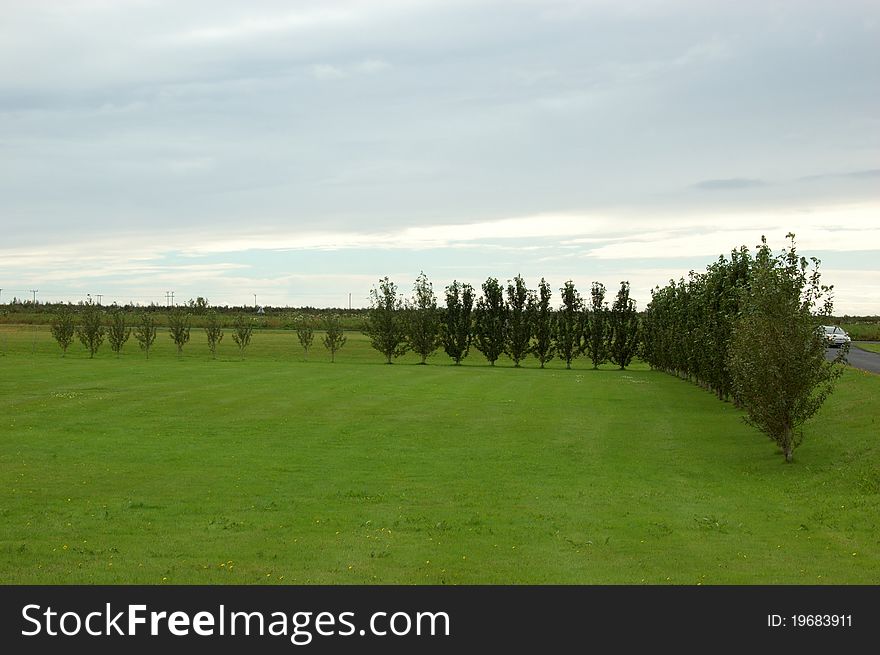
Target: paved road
x,y
858,358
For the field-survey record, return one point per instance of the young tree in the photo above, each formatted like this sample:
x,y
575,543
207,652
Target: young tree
x,y
520,316
569,325
334,338
596,342
386,324
542,326
777,358
491,321
423,319
456,328
214,331
91,331
305,332
118,332
178,327
623,328
63,328
145,332
242,329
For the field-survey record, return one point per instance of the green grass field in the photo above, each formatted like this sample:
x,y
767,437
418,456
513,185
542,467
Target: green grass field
x,y
275,470
869,346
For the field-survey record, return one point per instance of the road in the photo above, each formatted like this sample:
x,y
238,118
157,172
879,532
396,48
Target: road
x,y
858,358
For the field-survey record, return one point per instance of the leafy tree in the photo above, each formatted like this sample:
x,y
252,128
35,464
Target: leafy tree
x,y
623,328
491,321
569,325
596,338
91,331
520,316
63,328
198,306
542,325
305,332
423,319
178,327
118,332
145,332
457,325
704,307
777,358
334,337
242,329
386,323
214,331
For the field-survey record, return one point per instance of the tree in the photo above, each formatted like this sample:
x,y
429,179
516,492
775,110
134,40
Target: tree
x,y
118,332
305,332
214,331
91,331
596,337
385,323
63,328
520,312
145,332
456,329
569,325
423,319
542,325
178,327
777,357
198,306
334,338
491,320
623,328
704,307
242,329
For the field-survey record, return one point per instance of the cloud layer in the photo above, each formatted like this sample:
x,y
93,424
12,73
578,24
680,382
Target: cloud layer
x,y
140,139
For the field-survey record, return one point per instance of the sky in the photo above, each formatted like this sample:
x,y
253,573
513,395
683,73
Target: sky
x,y
293,153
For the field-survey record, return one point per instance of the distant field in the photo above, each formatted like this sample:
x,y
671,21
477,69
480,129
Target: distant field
x,y
275,470
864,331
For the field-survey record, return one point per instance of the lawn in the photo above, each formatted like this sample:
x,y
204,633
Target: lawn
x,y
275,470
873,347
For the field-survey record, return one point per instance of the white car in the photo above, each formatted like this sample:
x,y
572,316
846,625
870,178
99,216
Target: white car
x,y
835,335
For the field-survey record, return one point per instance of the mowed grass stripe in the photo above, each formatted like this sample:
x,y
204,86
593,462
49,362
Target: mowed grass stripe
x,y
277,470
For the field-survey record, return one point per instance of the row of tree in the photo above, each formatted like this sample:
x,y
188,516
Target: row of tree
x,y
747,330
91,325
512,320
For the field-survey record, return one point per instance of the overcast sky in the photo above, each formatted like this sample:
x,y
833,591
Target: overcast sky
x,y
301,150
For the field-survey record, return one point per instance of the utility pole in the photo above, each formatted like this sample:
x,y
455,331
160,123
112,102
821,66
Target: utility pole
x,y
34,291
172,299
167,296
100,295
349,301
255,301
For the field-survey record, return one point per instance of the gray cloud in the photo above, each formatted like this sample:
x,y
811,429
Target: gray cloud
x,y
853,175
219,116
729,183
